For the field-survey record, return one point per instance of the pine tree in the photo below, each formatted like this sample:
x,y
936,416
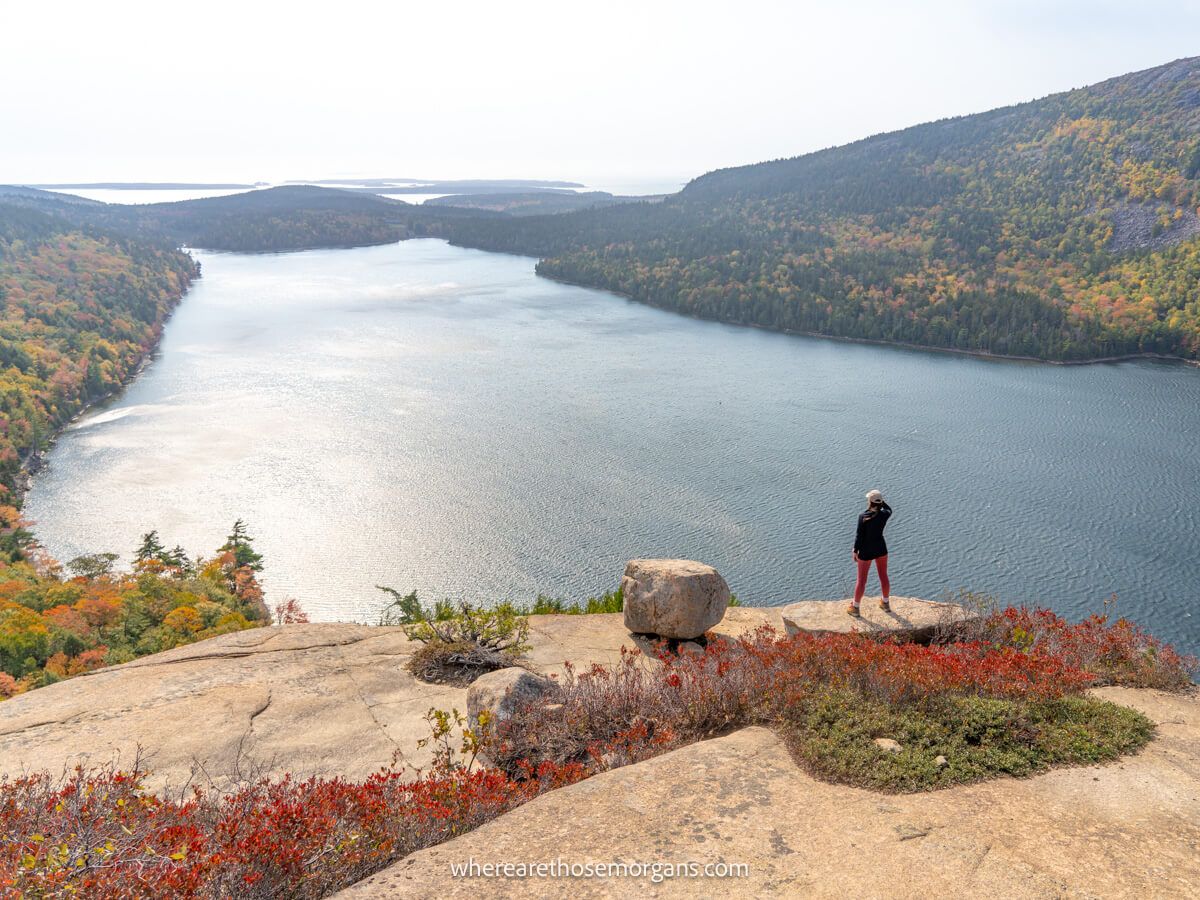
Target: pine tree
x,y
151,549
238,543
178,559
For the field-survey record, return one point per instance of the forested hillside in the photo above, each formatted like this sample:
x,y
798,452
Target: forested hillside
x,y
1065,228
296,217
79,311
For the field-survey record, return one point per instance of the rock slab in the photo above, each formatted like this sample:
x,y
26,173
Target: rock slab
x,y
910,618
678,599
319,699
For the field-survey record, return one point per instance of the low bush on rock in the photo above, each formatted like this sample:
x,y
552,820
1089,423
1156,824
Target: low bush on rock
x,y
1111,652
460,642
408,608
611,602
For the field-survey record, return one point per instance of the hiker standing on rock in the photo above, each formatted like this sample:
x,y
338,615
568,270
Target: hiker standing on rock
x,y
868,546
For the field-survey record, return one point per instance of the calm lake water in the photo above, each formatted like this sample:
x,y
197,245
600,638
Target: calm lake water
x,y
429,417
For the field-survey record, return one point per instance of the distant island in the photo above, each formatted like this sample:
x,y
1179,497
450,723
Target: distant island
x,y
143,186
533,203
432,186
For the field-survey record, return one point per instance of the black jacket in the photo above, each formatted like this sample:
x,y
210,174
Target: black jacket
x,y
868,540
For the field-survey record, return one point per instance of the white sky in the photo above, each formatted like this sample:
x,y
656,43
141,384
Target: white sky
x,y
592,91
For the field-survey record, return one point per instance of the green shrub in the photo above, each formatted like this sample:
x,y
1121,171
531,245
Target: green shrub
x,y
833,736
407,609
461,642
610,602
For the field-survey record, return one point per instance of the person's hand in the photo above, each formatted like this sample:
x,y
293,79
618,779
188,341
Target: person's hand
x,y
855,555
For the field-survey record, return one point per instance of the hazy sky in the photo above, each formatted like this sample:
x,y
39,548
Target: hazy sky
x,y
610,90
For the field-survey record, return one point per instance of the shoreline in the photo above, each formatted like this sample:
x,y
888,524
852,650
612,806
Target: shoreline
x,y
34,460
48,512
978,354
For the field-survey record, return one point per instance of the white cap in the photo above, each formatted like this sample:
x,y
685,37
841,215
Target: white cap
x,y
874,496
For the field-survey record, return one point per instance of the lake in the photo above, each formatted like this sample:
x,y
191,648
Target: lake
x,y
424,416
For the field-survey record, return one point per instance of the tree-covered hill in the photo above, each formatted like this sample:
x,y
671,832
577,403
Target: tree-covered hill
x,y
292,217
80,309
1064,228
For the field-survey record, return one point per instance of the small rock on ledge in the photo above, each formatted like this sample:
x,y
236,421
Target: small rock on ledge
x,y
673,598
502,691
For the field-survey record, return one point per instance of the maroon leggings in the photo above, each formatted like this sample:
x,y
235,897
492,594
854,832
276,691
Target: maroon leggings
x,y
864,569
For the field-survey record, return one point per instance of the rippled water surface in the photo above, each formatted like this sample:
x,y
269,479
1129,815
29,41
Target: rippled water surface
x,y
436,418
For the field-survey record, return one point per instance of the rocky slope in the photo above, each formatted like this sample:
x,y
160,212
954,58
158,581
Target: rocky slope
x,y
336,699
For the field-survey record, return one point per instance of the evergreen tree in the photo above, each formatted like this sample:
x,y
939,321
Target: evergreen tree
x,y
178,559
239,543
151,549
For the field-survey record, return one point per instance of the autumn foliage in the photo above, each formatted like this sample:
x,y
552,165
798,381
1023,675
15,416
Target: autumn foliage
x,y
56,624
1006,697
99,834
1059,229
79,311
1111,651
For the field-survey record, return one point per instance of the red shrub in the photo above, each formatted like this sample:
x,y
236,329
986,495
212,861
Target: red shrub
x,y
98,834
9,686
290,613
636,709
909,673
1116,653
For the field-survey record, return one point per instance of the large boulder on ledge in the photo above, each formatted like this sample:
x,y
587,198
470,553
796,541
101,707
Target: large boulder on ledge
x,y
678,599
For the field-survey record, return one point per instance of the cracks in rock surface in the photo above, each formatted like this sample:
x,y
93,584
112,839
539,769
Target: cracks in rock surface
x,y
349,669
249,651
